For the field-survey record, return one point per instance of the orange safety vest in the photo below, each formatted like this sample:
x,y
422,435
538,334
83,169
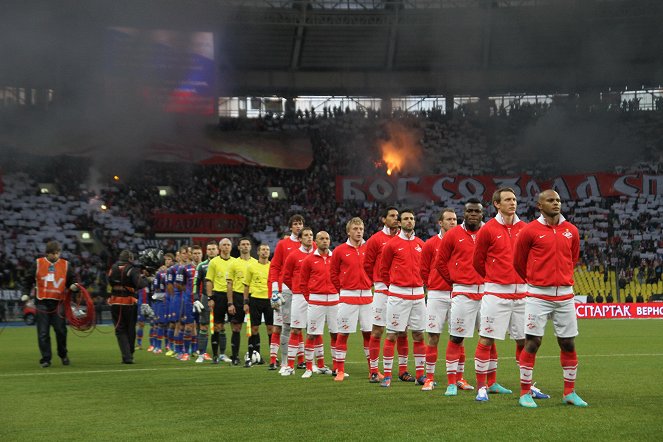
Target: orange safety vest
x,y
51,279
129,298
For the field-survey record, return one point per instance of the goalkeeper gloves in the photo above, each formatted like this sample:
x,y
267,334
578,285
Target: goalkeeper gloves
x,y
198,306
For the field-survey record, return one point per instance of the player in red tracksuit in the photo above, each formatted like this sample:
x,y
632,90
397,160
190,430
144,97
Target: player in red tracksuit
x,y
503,303
545,255
454,263
406,307
315,280
354,286
439,294
372,261
281,330
290,277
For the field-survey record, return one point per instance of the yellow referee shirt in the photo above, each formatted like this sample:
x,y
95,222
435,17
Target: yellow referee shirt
x,y
218,272
237,272
256,279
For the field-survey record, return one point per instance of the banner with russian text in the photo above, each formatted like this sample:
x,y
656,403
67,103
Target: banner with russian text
x,y
443,187
620,311
198,223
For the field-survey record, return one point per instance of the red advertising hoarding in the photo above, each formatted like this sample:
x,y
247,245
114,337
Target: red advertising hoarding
x,y
198,223
620,311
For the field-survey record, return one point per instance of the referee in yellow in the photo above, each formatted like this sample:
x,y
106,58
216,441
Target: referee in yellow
x,y
256,300
218,286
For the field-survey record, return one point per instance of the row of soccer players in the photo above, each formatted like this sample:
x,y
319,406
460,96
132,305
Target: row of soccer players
x,y
182,309
457,275
508,275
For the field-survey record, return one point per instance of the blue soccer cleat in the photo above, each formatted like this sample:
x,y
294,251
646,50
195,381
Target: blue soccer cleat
x,y
386,382
482,395
452,390
538,394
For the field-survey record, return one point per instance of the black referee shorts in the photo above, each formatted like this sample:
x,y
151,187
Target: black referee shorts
x,y
258,308
220,307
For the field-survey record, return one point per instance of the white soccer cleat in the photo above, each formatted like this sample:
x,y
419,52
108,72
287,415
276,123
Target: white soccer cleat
x,y
200,359
307,374
288,372
224,358
323,370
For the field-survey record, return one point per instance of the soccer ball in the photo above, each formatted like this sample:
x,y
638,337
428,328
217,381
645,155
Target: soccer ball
x,y
256,358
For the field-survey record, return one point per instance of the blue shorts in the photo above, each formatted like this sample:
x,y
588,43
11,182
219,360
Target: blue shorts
x,y
159,308
175,307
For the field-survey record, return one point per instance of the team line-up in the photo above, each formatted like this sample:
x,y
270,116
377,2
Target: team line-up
x,y
500,276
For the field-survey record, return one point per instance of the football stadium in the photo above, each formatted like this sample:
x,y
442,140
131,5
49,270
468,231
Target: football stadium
x,y
331,219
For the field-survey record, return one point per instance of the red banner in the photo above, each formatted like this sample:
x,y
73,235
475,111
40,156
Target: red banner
x,y
620,311
198,223
441,187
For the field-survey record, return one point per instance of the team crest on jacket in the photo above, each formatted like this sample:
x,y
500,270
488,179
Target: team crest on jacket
x,y
568,234
418,248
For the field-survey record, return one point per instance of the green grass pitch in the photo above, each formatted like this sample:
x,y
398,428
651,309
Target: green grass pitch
x,y
97,399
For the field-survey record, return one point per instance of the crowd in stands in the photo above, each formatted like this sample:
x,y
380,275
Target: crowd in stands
x,y
620,235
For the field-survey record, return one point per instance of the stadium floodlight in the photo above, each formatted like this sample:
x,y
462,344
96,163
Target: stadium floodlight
x,y
165,191
85,237
276,193
47,188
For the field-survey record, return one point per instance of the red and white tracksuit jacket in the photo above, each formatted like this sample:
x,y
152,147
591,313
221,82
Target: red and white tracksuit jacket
x,y
277,264
454,262
348,275
400,269
316,281
545,256
290,276
373,258
432,278
493,258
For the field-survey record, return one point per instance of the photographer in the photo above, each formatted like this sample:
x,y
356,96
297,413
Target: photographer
x,y
125,279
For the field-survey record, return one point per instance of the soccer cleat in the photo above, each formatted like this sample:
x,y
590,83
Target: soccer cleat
x,y
482,395
464,385
138,347
386,382
322,370
452,390
150,348
200,359
235,361
282,369
333,373
406,377
301,366
573,399
271,367
498,389
185,357
339,376
307,374
288,371
429,385
538,394
206,357
170,352
158,351
374,378
45,364
215,360
66,361
421,380
224,358
527,401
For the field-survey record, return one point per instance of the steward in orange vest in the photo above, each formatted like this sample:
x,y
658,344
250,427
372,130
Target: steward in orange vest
x,y
51,276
